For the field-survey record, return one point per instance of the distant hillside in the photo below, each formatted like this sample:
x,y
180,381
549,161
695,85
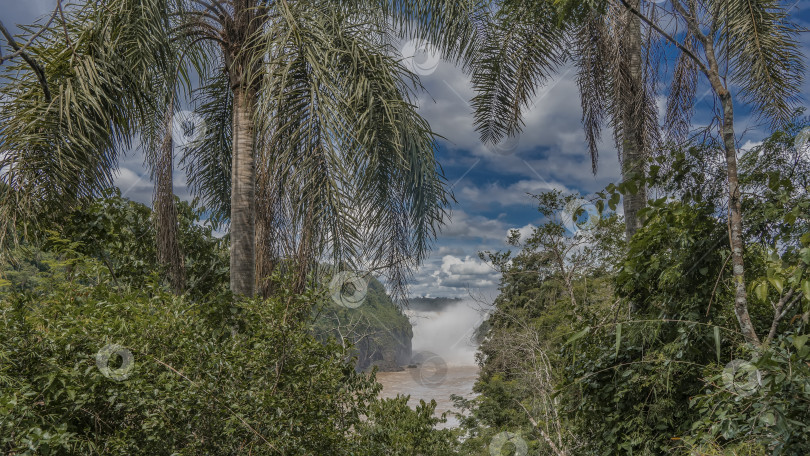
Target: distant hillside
x,y
378,329
432,304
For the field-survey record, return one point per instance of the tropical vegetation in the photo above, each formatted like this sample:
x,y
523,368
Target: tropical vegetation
x,y
667,313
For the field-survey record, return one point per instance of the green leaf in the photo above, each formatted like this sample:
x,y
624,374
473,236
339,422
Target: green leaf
x,y
806,289
579,335
614,201
805,255
761,290
777,283
799,341
631,187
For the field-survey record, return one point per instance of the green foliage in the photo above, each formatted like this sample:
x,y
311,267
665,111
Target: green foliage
x,y
210,375
657,378
120,234
770,406
628,383
207,377
394,428
556,280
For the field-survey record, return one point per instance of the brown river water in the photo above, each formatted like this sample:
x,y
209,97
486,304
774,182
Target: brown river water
x,y
445,357
420,384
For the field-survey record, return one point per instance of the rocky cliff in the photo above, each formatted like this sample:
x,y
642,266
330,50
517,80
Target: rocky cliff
x,y
378,330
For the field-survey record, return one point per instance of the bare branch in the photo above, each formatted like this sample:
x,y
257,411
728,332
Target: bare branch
x,y
668,37
20,50
785,304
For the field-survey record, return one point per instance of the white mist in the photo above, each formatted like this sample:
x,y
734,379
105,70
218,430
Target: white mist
x,y
449,333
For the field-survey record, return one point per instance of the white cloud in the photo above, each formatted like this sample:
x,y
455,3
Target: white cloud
x,y
463,273
464,226
515,194
524,231
748,145
134,186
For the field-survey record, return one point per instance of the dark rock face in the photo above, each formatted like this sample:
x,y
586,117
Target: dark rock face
x,y
389,351
378,330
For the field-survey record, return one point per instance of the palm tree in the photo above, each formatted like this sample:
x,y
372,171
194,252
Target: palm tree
x,y
527,41
743,44
304,98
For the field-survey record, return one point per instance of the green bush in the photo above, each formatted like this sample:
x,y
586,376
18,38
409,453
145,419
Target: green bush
x,y
210,376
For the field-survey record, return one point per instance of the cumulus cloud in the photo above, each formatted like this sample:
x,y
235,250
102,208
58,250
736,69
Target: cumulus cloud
x,y
524,231
464,226
463,273
514,194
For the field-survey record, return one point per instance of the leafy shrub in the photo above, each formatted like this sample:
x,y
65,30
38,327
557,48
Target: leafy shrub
x,y
121,234
768,407
210,376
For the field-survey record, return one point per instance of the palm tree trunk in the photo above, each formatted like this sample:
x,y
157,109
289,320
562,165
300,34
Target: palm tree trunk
x,y
735,227
633,143
266,260
243,202
168,248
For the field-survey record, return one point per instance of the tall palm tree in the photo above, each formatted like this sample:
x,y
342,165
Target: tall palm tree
x,y
306,96
527,41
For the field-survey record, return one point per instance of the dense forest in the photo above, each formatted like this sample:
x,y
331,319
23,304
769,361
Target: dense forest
x,y
635,349
664,313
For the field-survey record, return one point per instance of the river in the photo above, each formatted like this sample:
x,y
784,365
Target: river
x,y
457,380
444,355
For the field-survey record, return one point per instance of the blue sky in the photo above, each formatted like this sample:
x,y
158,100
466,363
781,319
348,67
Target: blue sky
x,y
489,184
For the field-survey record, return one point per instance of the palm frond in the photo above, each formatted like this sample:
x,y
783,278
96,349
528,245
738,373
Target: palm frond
x,y
680,102
760,42
523,48
58,153
207,162
346,163
593,80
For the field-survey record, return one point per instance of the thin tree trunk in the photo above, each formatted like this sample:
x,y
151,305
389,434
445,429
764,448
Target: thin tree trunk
x,y
168,248
243,202
735,222
633,154
734,194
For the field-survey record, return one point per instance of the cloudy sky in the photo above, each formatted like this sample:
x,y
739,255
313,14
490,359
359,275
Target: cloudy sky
x,y
490,183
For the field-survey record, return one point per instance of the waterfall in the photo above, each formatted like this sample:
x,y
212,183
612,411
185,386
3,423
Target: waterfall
x,y
448,331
